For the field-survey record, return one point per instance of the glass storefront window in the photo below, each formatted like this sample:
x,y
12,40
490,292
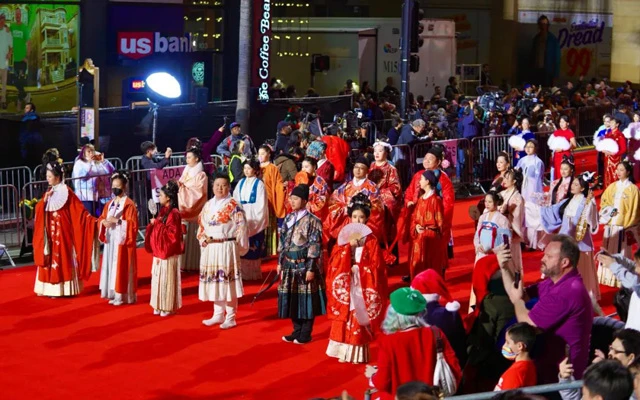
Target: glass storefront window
x,y
205,26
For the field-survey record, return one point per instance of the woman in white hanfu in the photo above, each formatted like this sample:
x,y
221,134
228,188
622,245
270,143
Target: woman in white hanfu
x,y
251,193
223,237
532,169
619,213
192,194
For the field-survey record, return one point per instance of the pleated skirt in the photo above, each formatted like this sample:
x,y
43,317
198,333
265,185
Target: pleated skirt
x,y
166,289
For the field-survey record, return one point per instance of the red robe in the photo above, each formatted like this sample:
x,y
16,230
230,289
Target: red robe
x,y
69,230
326,171
373,279
410,355
338,217
611,162
337,152
428,250
127,251
164,240
448,195
557,156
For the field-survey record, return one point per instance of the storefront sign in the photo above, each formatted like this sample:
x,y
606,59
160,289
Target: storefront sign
x,y
262,38
137,45
87,123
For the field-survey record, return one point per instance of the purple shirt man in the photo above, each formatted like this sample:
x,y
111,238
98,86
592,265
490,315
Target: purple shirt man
x,y
565,315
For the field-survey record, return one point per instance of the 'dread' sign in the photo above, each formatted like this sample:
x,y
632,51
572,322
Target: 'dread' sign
x,y
137,45
159,177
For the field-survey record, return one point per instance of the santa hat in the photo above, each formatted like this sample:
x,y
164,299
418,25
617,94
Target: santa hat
x,y
429,282
482,272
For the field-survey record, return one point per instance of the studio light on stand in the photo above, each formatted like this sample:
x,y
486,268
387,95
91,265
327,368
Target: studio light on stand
x,y
162,89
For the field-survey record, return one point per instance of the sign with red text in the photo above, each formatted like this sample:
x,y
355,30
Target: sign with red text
x,y
159,178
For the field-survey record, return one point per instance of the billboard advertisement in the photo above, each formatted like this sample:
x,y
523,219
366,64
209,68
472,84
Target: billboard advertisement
x,y
39,46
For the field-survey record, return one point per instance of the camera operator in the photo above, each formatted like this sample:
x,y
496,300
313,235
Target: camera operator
x,y
394,133
547,125
410,134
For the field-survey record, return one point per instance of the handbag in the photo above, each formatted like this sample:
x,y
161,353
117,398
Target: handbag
x,y
443,376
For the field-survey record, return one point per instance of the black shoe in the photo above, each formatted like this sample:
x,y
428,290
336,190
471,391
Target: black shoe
x,y
288,338
300,341
406,279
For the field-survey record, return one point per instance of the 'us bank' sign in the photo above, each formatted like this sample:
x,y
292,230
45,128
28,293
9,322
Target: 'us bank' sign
x,y
137,45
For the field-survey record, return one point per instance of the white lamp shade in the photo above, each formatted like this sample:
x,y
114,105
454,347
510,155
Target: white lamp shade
x,y
164,84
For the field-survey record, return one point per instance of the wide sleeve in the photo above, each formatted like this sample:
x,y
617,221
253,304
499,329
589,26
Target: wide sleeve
x,y
411,194
85,240
394,184
622,144
165,240
39,234
260,210
439,216
592,216
339,298
102,231
476,236
276,194
518,215
242,238
314,238
130,217
448,201
607,197
550,217
337,213
630,206
191,198
236,192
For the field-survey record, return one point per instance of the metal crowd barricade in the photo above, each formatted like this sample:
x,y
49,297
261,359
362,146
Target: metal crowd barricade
x,y
10,231
38,171
16,176
485,153
402,159
116,162
590,119
217,160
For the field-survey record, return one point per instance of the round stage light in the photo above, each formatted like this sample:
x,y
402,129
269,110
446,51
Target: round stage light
x,y
163,86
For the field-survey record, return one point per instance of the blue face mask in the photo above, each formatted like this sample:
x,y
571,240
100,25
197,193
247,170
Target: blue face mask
x,y
508,353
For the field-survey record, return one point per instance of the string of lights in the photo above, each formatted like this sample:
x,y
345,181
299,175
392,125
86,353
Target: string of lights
x,y
292,34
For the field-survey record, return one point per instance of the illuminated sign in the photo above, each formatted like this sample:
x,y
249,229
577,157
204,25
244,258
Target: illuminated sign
x,y
137,45
261,46
136,85
197,72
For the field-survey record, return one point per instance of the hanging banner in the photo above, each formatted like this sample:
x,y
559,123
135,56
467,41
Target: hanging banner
x,y
261,63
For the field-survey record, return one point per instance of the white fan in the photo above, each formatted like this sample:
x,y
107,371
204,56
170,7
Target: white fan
x,y
517,142
557,143
609,145
353,231
153,207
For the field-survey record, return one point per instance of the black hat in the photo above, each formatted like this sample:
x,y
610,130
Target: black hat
x,y
436,151
363,160
301,191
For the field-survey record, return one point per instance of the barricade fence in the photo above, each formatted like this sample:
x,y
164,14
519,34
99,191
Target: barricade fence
x,y
10,232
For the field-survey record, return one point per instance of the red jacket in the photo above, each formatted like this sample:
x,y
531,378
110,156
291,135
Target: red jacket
x,y
410,356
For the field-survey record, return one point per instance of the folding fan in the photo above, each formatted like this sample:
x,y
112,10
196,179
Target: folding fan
x,y
353,231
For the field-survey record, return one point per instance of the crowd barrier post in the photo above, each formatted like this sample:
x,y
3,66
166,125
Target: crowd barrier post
x,y
540,389
485,152
16,176
401,157
10,231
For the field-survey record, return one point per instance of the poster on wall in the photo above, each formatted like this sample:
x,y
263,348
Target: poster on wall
x,y
582,41
39,51
87,124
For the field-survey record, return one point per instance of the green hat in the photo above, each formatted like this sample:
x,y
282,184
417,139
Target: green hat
x,y
407,301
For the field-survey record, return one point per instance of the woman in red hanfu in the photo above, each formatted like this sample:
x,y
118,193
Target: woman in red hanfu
x,y
357,286
427,249
614,147
318,190
389,187
118,229
65,243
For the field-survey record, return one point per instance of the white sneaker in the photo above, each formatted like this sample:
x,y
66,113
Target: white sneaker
x,y
156,312
212,321
164,313
117,303
228,325
112,301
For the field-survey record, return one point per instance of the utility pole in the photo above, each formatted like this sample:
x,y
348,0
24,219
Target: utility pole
x,y
404,56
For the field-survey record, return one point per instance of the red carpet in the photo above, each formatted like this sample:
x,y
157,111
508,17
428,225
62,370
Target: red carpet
x,y
84,348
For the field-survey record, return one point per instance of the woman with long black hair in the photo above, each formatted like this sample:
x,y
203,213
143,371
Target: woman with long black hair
x,y
163,239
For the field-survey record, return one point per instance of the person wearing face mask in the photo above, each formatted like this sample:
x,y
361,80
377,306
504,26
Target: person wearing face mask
x,y
358,276
519,341
118,231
